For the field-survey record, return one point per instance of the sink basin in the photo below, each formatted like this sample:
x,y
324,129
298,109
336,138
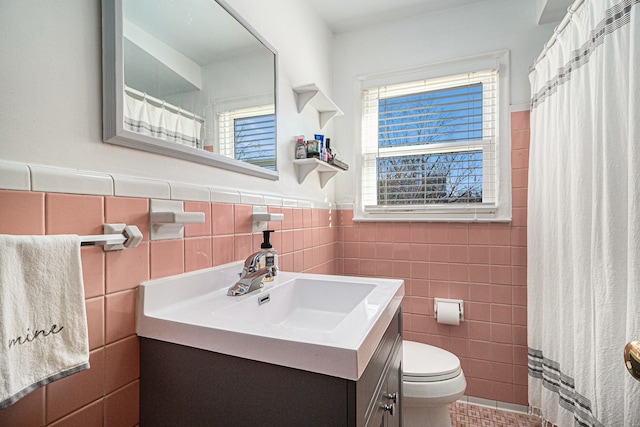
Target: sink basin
x,y
320,323
305,303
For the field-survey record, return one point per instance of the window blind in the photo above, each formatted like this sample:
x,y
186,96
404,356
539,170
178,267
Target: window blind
x,y
249,135
430,142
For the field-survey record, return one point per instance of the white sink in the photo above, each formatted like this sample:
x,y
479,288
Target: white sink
x,y
306,303
319,323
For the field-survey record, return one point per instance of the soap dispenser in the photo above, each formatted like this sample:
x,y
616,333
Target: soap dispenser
x,y
268,256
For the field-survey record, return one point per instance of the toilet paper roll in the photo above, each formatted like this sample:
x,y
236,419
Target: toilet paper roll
x,y
448,313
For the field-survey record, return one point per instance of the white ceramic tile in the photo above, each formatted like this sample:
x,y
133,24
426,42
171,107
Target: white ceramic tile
x,y
512,407
128,186
291,203
59,180
14,176
251,199
305,204
272,201
224,196
520,107
321,205
344,206
197,193
482,402
463,399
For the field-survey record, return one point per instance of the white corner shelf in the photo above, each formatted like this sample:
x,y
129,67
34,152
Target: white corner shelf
x,y
312,95
325,171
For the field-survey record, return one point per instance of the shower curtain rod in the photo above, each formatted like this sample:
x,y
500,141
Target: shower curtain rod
x,y
565,21
165,104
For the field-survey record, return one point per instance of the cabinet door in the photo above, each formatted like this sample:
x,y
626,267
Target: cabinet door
x,y
388,411
393,394
377,418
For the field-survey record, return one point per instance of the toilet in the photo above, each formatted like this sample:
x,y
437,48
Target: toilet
x,y
431,380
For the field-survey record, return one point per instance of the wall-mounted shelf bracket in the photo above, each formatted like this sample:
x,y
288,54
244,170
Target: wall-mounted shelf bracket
x,y
167,219
325,171
312,95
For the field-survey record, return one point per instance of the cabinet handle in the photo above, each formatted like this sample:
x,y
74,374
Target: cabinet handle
x,y
388,408
392,397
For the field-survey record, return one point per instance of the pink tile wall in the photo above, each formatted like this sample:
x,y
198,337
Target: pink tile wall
x,y
482,263
108,393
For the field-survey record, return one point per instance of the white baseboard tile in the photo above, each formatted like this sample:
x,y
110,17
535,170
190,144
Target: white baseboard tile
x,y
195,193
32,177
14,176
494,404
512,407
130,186
61,180
520,107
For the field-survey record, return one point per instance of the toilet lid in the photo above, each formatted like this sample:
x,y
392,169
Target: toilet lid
x,y
426,363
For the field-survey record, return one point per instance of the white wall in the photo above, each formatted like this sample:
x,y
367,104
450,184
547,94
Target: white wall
x,y
51,92
50,74
479,28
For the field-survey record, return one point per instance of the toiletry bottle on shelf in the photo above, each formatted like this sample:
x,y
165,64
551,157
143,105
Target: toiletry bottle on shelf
x,y
327,150
268,256
312,148
321,151
301,148
320,139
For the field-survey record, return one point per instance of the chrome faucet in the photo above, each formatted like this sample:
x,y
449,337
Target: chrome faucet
x,y
251,276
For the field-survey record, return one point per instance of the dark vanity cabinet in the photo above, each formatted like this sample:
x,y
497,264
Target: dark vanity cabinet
x,y
379,389
385,405
185,386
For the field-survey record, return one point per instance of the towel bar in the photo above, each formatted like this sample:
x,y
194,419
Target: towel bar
x,y
116,237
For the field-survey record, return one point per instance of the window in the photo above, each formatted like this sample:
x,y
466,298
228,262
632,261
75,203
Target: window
x,y
248,135
430,149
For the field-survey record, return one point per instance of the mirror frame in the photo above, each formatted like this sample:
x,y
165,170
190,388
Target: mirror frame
x,y
113,100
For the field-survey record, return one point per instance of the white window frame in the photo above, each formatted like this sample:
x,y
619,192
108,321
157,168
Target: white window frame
x,y
499,209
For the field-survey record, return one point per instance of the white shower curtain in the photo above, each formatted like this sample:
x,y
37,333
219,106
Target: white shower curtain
x,y
141,116
584,219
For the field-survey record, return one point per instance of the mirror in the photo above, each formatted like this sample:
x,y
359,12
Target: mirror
x,y
189,79
632,358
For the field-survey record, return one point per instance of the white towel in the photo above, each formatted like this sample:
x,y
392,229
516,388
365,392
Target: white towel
x,y
43,322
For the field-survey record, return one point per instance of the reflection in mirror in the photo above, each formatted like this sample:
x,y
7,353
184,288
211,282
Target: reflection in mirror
x,y
189,80
632,358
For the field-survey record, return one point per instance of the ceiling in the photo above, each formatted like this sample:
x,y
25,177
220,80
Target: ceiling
x,y
345,15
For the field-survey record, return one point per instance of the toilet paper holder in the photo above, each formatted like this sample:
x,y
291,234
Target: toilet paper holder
x,y
447,300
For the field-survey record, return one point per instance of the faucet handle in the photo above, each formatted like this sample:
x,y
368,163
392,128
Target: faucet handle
x,y
249,282
251,263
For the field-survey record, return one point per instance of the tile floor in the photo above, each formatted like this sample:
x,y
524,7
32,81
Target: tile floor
x,y
469,415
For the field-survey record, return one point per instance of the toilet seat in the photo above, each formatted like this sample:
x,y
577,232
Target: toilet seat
x,y
426,363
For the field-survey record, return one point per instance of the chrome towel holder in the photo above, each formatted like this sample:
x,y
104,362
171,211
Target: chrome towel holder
x,y
114,238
